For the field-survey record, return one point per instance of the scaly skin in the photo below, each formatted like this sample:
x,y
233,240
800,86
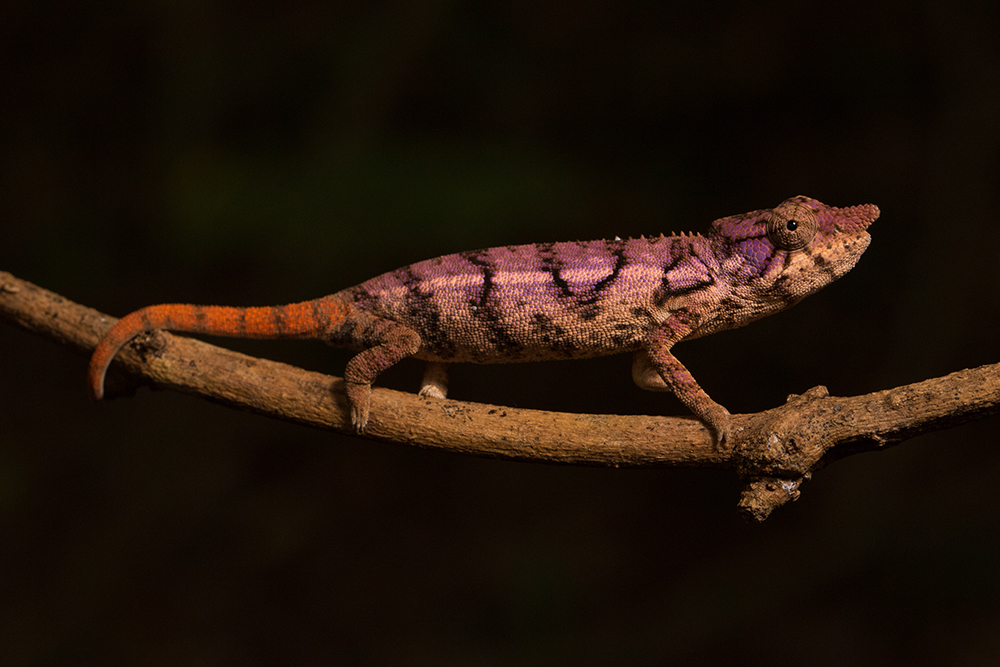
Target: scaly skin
x,y
554,301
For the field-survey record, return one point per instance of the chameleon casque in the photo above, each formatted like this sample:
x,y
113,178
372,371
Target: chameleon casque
x,y
553,301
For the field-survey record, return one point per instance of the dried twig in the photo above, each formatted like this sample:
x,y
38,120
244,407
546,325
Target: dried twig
x,y
775,450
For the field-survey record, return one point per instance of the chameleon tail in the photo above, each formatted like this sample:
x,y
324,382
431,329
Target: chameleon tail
x,y
309,319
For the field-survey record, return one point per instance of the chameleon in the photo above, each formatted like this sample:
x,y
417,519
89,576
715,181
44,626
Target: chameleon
x,y
542,301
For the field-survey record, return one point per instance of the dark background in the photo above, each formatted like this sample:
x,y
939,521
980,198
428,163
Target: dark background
x,y
245,154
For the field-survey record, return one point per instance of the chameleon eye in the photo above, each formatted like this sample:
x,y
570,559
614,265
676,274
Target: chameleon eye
x,y
792,227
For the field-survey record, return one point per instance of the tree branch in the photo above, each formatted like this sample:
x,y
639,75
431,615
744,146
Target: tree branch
x,y
775,450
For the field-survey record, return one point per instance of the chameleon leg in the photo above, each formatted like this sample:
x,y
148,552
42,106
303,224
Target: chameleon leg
x,y
645,375
656,369
435,381
388,343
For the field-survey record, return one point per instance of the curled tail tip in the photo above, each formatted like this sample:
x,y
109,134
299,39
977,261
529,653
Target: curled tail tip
x,y
102,357
95,382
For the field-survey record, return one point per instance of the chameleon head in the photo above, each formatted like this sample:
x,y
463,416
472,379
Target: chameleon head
x,y
799,246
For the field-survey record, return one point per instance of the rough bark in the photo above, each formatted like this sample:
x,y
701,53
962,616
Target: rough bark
x,y
775,450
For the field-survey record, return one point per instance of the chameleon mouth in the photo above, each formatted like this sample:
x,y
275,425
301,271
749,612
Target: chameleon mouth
x,y
836,259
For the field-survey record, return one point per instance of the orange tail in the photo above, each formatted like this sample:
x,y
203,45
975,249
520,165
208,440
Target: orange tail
x,y
298,320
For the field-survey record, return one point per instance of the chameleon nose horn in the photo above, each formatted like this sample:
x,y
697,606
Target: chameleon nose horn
x,y
862,215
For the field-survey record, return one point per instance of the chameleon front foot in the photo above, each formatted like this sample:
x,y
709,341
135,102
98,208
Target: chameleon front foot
x,y
435,381
668,374
359,398
717,420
